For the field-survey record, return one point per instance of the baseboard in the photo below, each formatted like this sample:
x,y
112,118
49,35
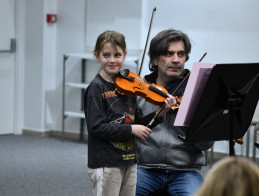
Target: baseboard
x,y
57,134
34,133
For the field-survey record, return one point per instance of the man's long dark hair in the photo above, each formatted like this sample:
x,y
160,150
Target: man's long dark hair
x,y
159,45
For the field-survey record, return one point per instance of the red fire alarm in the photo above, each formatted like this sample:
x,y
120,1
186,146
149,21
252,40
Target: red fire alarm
x,y
51,18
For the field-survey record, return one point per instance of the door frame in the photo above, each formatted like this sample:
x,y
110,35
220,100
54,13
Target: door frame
x,y
19,66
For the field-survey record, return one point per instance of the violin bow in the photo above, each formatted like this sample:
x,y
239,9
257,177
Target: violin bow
x,y
163,106
150,25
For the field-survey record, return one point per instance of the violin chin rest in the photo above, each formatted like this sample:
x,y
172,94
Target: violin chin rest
x,y
124,72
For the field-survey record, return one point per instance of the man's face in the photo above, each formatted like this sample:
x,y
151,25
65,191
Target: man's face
x,y
171,64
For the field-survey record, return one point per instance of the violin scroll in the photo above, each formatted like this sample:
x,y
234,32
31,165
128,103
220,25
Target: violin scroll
x,y
239,141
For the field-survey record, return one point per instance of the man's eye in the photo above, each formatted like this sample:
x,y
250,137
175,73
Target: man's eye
x,y
181,54
169,53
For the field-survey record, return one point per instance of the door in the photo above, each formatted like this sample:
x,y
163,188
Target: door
x,y
7,66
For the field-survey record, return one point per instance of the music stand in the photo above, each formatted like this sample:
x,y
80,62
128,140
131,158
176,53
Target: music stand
x,y
227,105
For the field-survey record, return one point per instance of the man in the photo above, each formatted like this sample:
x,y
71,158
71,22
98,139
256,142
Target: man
x,y
166,164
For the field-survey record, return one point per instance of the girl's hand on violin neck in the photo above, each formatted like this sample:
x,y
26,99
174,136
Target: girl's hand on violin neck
x,y
169,102
141,131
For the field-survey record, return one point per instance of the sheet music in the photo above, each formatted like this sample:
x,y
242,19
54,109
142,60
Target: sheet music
x,y
195,86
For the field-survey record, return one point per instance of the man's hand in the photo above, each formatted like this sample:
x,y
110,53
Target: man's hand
x,y
169,102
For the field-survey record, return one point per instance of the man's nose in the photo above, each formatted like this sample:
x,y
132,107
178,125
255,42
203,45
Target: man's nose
x,y
175,58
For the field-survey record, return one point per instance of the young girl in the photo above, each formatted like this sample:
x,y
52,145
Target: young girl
x,y
112,122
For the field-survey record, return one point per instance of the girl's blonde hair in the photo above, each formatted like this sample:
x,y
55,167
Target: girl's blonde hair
x,y
113,37
231,176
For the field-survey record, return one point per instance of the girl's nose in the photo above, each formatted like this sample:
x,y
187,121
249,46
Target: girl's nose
x,y
112,59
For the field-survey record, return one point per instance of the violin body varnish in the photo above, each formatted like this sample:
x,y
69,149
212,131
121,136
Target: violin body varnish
x,y
130,83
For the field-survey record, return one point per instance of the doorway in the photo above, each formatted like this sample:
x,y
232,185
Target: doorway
x,y
8,67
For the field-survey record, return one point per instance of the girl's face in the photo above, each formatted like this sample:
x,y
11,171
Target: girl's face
x,y
111,59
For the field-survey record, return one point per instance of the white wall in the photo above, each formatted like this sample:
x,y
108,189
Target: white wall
x,y
123,16
70,38
226,30
33,69
49,64
45,45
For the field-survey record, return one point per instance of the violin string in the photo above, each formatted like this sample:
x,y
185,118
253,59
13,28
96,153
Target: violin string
x,y
142,82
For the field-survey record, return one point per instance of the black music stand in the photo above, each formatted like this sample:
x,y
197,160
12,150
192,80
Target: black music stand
x,y
227,105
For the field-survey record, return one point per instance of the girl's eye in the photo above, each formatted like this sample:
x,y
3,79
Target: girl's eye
x,y
106,54
118,55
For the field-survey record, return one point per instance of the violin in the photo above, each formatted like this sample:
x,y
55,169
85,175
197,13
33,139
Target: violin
x,y
239,141
129,83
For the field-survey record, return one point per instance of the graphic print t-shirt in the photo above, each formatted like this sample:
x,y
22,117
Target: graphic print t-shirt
x,y
109,116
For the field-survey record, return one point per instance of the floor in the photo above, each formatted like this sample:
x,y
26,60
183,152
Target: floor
x,y
48,166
